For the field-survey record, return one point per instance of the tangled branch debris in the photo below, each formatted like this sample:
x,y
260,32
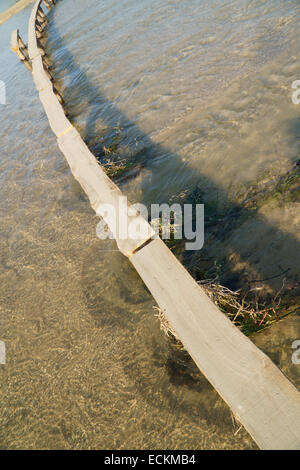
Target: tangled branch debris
x,y
237,308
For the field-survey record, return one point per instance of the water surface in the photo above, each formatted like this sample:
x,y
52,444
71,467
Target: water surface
x,y
196,96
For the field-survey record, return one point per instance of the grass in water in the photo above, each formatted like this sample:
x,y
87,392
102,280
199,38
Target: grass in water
x,y
248,316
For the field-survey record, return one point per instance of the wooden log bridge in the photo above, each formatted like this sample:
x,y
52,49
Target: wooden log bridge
x,y
258,393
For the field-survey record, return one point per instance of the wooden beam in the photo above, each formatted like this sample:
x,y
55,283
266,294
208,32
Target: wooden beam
x,y
260,396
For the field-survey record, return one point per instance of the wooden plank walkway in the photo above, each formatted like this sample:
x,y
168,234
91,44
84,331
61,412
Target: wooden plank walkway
x,y
259,395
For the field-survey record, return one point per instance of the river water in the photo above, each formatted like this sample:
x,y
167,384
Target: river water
x,y
195,98
5,4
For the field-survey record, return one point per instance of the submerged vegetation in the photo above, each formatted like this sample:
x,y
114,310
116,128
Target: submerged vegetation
x,y
118,159
248,308
286,189
249,316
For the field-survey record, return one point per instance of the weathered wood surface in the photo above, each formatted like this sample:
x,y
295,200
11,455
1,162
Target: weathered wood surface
x,y
260,396
99,188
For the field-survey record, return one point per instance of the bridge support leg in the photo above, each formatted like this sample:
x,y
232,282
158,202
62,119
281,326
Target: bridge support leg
x,y
20,49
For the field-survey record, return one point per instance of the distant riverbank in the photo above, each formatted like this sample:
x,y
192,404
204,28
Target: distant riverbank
x,y
14,9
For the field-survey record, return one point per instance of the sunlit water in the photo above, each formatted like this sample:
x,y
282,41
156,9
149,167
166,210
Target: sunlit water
x,y
5,4
196,96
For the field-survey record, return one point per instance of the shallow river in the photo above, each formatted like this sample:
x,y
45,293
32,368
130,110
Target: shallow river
x,y
195,97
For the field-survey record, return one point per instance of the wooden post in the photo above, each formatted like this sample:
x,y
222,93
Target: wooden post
x,y
21,43
19,48
42,22
40,47
46,62
39,35
38,27
47,3
23,58
41,13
